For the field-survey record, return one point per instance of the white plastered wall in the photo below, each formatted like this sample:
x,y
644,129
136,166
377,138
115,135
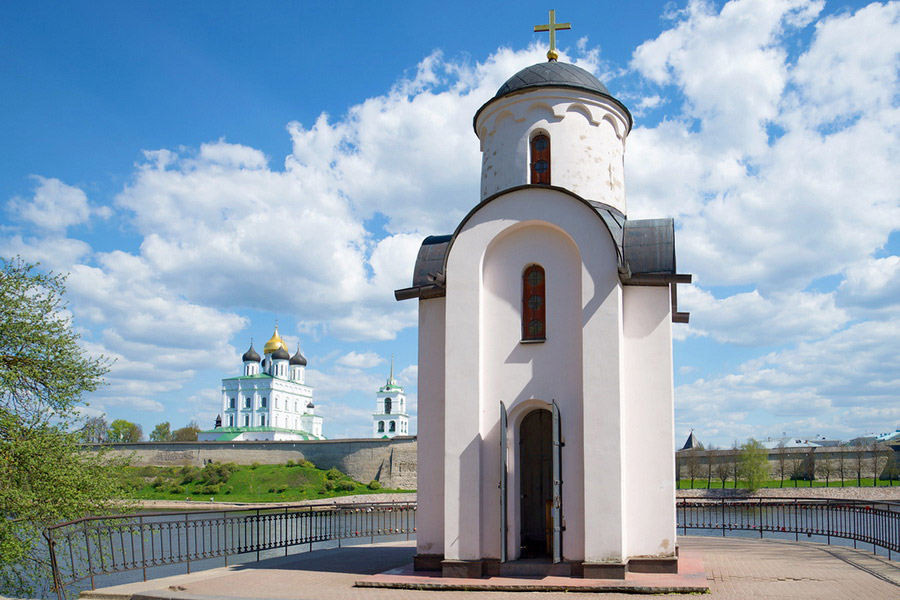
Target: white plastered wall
x,y
587,143
485,363
649,422
430,468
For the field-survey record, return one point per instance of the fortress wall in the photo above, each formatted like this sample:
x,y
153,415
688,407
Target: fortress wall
x,y
390,462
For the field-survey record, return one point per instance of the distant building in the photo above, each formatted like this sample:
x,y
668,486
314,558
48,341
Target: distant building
x,y
788,442
270,401
692,443
390,417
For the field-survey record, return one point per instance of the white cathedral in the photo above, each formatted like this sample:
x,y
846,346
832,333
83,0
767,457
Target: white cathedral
x,y
545,414
390,418
270,401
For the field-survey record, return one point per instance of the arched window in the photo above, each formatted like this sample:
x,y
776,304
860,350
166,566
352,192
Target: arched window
x,y
262,420
387,406
247,402
231,420
393,426
540,159
534,310
246,420
380,426
231,403
263,403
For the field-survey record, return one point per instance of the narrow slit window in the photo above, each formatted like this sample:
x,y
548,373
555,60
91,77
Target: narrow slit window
x,y
540,159
534,309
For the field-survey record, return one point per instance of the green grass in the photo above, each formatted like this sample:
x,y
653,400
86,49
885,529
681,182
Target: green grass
x,y
243,483
716,484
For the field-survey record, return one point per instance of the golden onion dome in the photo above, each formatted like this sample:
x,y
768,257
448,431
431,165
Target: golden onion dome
x,y
274,343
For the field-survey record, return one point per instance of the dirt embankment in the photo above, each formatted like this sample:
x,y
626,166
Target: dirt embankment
x,y
836,493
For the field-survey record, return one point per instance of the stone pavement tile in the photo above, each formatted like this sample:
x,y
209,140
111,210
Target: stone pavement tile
x,y
736,569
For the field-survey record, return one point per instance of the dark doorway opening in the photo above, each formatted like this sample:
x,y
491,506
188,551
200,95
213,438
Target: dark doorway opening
x,y
536,469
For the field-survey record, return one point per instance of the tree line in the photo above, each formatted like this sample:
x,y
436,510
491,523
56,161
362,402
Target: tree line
x,y
860,461
97,431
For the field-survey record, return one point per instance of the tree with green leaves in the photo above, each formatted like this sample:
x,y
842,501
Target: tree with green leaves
x,y
44,373
161,433
753,464
187,434
125,432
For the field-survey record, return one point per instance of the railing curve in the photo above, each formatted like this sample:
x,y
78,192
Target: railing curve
x,y
93,546
870,522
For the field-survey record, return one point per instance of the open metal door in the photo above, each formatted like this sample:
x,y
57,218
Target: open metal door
x,y
503,471
556,504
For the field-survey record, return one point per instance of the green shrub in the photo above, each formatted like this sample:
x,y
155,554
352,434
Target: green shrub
x,y
176,489
329,485
306,464
278,489
333,473
227,489
211,489
346,485
254,465
158,482
374,485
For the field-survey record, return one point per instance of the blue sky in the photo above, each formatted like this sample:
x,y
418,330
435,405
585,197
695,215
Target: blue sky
x,y
204,169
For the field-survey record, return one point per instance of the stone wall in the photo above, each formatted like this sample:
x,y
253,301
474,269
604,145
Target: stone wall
x,y
390,462
866,459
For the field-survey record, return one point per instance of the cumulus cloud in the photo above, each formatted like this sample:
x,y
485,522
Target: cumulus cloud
x,y
360,360
54,206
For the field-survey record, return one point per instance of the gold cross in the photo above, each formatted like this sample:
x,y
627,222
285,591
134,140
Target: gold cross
x,y
552,26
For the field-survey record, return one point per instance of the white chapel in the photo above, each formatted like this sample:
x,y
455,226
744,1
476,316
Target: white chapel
x,y
545,414
390,418
269,401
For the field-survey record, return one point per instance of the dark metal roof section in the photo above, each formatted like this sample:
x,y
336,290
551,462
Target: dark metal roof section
x,y
692,443
650,246
428,275
281,354
298,359
251,355
553,74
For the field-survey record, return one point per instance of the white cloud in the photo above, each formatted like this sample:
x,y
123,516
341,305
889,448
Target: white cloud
x,y
872,285
54,206
360,360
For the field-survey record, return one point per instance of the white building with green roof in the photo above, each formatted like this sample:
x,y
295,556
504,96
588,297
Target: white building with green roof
x,y
390,417
270,401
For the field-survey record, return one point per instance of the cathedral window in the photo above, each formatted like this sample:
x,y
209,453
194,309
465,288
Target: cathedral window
x,y
248,402
264,403
231,420
231,403
387,406
540,159
393,426
262,420
380,426
246,420
533,305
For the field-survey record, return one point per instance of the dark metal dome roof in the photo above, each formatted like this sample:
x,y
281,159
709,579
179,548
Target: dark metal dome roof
x,y
250,355
281,354
310,405
552,74
298,359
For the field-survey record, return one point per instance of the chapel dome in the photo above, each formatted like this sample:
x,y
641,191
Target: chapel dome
x,y
275,342
281,354
250,355
552,74
298,359
310,405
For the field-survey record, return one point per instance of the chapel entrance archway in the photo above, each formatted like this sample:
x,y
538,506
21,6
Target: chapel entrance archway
x,y
536,483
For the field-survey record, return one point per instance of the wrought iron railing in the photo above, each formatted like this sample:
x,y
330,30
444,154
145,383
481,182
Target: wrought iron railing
x,y
93,546
875,523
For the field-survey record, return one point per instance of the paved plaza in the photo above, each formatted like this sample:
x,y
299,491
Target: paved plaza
x,y
736,568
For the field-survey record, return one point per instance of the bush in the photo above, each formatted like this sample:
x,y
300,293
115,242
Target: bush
x,y
329,485
176,489
278,489
290,463
374,485
346,485
158,482
211,489
190,474
306,464
333,473
254,465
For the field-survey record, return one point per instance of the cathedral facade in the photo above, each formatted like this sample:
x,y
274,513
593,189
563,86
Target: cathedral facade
x,y
390,418
269,401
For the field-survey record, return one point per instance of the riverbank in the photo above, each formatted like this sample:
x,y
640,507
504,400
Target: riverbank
x,y
834,493
206,505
